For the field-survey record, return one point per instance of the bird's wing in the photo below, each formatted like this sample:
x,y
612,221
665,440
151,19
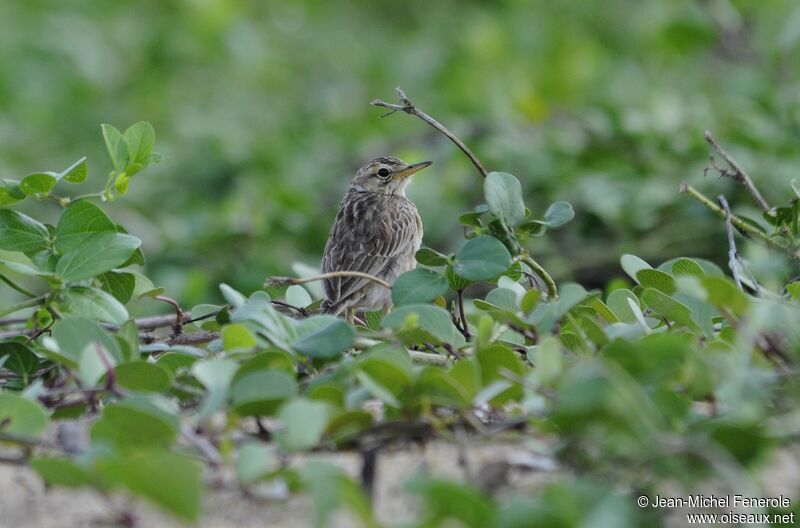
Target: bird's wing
x,y
367,238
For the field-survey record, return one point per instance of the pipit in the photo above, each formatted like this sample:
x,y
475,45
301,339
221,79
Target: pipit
x,y
377,231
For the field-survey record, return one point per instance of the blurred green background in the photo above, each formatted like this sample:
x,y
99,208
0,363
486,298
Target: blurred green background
x,y
261,111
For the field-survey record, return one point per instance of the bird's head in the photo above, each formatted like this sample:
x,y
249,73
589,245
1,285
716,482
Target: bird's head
x,y
386,175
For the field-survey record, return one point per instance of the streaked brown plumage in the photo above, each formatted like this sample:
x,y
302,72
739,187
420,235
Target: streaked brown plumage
x,y
377,231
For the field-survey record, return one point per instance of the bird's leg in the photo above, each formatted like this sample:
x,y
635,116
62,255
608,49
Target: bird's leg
x,y
386,308
349,315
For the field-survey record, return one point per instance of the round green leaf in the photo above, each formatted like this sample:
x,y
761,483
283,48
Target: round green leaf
x,y
20,416
418,286
134,423
430,257
261,392
503,194
170,480
482,258
656,279
38,183
298,296
632,265
420,323
304,421
323,337
558,214
142,376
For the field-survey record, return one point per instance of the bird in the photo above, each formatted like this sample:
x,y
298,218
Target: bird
x,y
377,231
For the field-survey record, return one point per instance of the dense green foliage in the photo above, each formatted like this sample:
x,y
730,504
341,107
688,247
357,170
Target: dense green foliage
x,y
681,376
256,103
650,369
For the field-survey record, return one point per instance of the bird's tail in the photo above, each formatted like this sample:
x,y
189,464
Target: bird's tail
x,y
330,308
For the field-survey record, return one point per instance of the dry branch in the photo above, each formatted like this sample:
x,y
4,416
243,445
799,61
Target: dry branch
x,y
735,171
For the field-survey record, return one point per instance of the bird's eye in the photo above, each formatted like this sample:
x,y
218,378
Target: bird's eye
x,y
384,172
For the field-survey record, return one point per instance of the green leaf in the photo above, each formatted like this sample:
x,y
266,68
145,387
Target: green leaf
x,y
656,279
38,183
496,359
304,421
429,257
262,392
21,416
323,337
446,500
73,334
482,258
547,360
75,173
298,296
78,221
331,489
116,146
237,336
94,363
41,183
100,252
503,194
724,294
216,376
10,192
632,265
19,232
170,480
61,472
134,423
618,303
118,284
418,286
140,138
142,376
19,359
685,266
558,214
254,461
434,322
665,306
91,303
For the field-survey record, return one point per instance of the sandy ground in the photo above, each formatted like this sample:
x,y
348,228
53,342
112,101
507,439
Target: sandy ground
x,y
25,502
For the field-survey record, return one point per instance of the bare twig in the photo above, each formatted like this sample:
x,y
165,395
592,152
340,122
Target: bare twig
x,y
463,317
737,222
408,107
298,309
281,281
177,327
203,445
195,338
733,255
736,172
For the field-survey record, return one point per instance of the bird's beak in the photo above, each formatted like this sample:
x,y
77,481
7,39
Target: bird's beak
x,y
411,169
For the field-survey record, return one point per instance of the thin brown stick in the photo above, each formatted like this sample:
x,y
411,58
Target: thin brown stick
x,y
737,222
736,172
195,338
408,107
733,255
177,328
281,281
